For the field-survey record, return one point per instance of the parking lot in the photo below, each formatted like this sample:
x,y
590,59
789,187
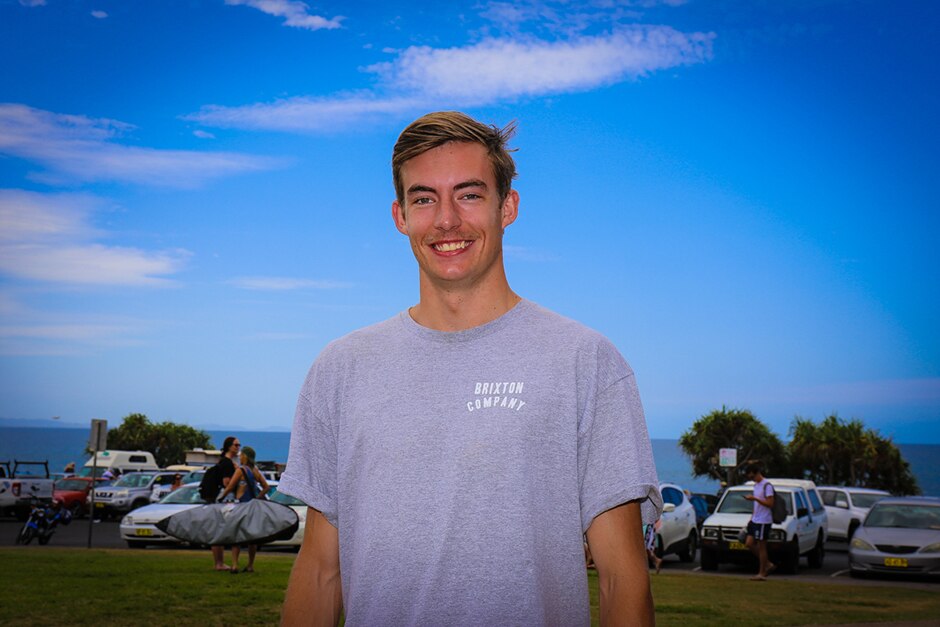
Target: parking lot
x,y
105,535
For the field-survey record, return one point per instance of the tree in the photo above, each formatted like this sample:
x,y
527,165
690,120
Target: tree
x,y
731,428
168,441
839,452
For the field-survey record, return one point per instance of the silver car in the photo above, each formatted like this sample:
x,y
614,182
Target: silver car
x,y
900,535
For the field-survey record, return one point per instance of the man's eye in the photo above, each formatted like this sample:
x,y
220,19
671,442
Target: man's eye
x,y
423,200
471,196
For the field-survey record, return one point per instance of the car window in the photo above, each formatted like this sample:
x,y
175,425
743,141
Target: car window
x,y
865,500
830,497
671,495
135,480
187,495
800,501
906,516
814,500
284,499
735,503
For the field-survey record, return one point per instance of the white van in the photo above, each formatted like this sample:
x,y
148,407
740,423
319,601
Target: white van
x,y
124,461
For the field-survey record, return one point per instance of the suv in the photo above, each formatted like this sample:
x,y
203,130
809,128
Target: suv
x,y
131,491
847,508
802,533
678,533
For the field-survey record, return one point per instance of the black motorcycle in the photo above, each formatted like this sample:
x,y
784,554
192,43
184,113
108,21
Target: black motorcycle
x,y
42,522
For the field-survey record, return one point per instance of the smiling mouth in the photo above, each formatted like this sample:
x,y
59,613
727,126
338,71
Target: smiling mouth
x,y
450,247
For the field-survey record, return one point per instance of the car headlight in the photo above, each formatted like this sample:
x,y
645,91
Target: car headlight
x,y
777,535
709,532
931,548
127,520
861,545
121,493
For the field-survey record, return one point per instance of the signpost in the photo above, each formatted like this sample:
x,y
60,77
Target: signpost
x,y
728,458
97,441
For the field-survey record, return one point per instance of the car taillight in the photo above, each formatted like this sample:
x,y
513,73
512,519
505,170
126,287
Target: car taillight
x,y
15,488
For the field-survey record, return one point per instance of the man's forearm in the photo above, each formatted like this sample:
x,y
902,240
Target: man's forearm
x,y
314,597
626,600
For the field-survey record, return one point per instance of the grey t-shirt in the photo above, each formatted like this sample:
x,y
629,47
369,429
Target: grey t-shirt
x,y
461,469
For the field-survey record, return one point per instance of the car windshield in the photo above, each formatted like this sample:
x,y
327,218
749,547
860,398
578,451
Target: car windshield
x,y
866,500
71,484
135,480
280,497
904,516
193,475
187,495
735,503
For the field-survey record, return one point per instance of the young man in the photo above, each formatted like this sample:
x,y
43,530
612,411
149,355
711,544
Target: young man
x,y
758,528
454,456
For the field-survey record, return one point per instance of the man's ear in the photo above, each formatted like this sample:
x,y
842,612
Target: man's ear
x,y
398,215
510,208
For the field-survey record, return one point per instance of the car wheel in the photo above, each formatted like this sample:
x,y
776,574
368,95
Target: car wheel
x,y
817,555
691,547
791,559
709,559
659,548
76,509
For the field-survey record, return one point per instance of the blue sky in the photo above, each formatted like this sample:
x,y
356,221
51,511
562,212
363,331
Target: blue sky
x,y
195,196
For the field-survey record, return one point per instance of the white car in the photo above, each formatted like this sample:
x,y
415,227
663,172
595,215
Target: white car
x,y
138,528
802,533
298,506
847,508
678,532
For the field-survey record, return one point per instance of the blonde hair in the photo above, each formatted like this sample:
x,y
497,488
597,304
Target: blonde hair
x,y
438,128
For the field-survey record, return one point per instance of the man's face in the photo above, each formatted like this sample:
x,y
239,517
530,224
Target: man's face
x,y
452,214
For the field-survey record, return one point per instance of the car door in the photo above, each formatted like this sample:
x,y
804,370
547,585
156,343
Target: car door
x,y
670,529
805,526
837,507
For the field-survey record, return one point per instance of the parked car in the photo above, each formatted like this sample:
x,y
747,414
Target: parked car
x,y
160,490
138,528
678,532
800,534
72,492
128,493
847,508
298,506
817,508
900,535
710,499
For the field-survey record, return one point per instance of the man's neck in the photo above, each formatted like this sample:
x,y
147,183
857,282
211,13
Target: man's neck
x,y
461,309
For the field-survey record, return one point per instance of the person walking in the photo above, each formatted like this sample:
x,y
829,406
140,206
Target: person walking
x,y
454,456
758,528
247,483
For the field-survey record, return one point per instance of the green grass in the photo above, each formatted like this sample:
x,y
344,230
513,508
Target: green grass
x,y
56,586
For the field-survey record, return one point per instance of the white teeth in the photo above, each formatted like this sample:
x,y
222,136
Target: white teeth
x,y
447,247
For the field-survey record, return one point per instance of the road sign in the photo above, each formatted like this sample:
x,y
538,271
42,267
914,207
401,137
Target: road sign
x,y
99,435
728,457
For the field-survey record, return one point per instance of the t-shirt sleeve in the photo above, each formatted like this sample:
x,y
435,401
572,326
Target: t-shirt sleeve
x,y
310,474
615,457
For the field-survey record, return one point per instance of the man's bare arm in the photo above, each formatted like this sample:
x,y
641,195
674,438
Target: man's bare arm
x,y
616,542
314,590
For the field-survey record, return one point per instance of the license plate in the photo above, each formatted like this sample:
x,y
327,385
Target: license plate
x,y
737,546
896,562
143,532
99,504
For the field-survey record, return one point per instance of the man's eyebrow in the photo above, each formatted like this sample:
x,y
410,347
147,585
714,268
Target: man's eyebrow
x,y
420,188
470,183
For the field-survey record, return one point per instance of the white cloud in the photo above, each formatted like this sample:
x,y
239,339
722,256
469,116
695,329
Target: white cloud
x,y
74,147
33,3
494,70
503,69
99,14
49,238
295,13
203,134
273,283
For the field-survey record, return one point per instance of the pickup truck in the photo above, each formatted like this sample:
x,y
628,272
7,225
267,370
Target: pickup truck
x,y
19,489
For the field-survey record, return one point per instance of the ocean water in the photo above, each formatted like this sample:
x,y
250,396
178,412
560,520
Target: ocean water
x,y
60,446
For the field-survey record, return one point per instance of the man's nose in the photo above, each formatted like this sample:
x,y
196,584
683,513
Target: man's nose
x,y
447,216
